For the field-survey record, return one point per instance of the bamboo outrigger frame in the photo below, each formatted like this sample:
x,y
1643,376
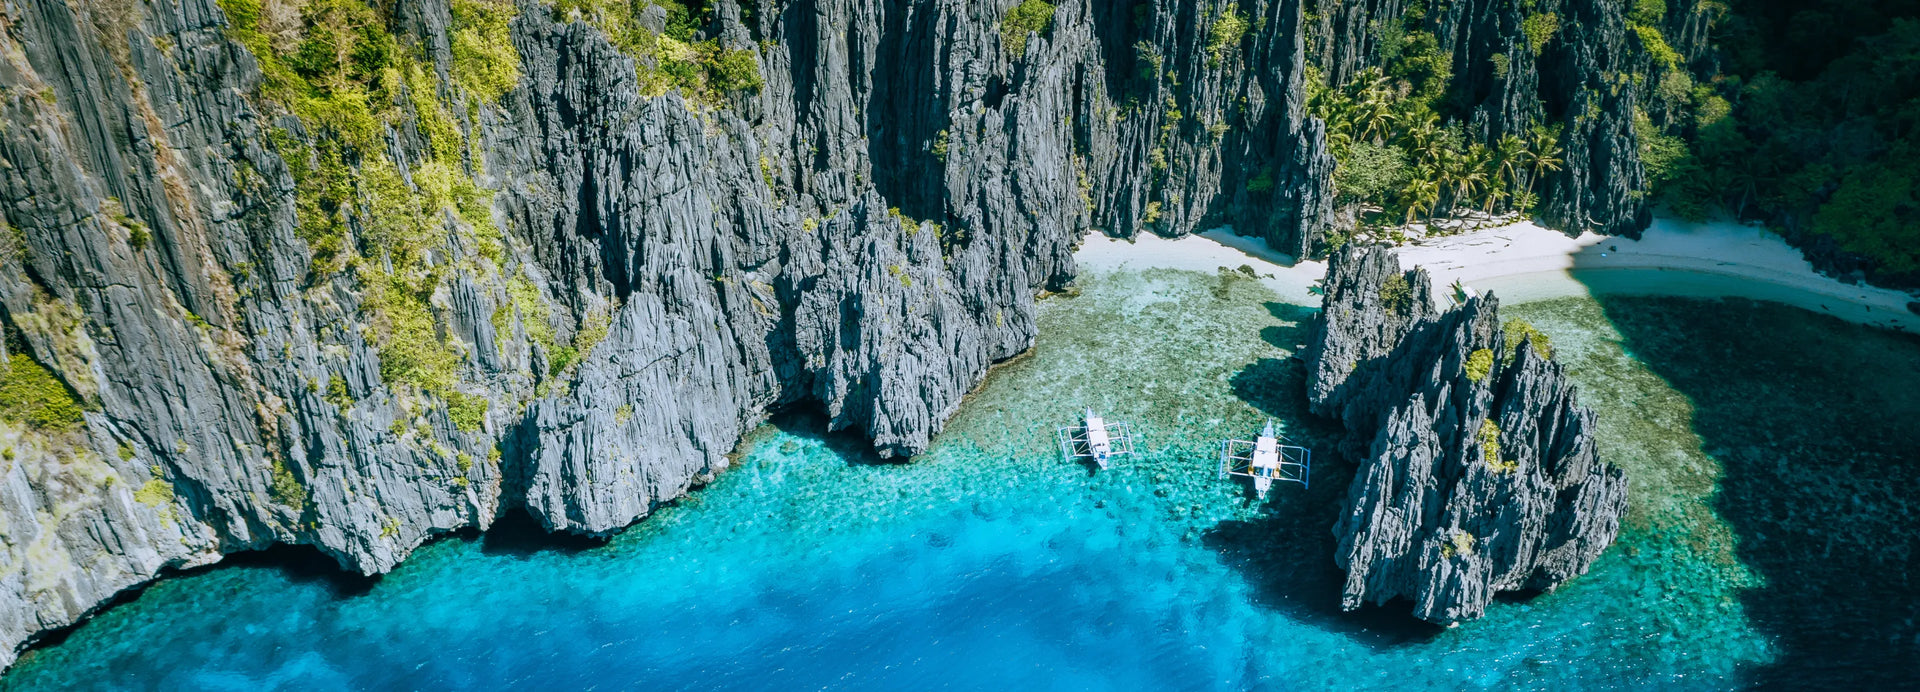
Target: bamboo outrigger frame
x,y
1265,460
1095,438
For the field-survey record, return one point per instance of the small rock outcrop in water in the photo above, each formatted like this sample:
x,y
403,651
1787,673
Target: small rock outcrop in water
x,y
1478,472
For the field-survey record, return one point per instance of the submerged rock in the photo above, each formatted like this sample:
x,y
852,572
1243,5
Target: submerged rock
x,y
1477,472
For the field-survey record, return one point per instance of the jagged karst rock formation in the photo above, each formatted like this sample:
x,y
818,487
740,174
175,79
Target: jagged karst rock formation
x,y
1478,472
510,254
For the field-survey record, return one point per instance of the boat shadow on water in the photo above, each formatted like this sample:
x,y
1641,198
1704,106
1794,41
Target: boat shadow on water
x,y
1286,555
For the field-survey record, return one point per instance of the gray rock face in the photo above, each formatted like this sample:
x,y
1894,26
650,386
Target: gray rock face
x,y
1478,472
1602,186
572,296
864,233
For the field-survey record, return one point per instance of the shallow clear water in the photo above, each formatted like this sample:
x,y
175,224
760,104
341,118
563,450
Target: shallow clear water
x,y
988,562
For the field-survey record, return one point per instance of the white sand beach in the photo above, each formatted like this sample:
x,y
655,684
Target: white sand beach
x,y
1523,262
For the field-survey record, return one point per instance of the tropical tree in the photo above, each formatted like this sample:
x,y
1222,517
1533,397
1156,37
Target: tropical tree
x,y
1508,155
1459,175
1476,165
1495,194
1421,134
1422,193
1338,141
1542,155
1748,180
1373,100
1373,117
1374,81
1332,106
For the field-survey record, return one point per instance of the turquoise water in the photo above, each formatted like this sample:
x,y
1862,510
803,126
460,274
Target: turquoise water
x,y
988,562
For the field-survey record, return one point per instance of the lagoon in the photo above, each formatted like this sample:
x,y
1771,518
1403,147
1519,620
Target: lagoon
x,y
1768,540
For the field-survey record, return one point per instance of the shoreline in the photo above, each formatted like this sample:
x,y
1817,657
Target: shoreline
x,y
1523,262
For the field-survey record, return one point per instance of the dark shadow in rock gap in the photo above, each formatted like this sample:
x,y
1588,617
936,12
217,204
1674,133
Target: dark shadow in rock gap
x,y
303,564
907,114
517,534
1816,425
300,563
1119,26
1520,597
806,421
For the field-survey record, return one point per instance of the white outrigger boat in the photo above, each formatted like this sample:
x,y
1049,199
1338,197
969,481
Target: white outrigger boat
x,y
1095,438
1265,460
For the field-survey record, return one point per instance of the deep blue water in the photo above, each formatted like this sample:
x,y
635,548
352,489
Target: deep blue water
x,y
989,563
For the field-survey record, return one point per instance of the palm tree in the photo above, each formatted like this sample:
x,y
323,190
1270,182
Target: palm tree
x,y
1372,95
1336,110
1422,193
1332,105
1478,164
1495,194
1421,134
1372,79
1507,159
1748,180
1481,176
1461,174
1445,170
1338,140
1543,155
1373,117
1706,185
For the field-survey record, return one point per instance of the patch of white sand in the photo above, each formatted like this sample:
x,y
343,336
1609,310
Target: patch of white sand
x,y
1523,262
1206,252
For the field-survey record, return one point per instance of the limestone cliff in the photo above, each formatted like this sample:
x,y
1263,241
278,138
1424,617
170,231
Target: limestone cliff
x,y
1478,472
351,274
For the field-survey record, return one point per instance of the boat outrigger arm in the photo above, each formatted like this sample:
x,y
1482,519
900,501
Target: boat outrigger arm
x,y
1265,460
1095,438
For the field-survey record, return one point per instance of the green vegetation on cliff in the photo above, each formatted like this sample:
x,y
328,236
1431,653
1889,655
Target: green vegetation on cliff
x,y
703,71
1520,332
30,394
485,64
1479,364
1401,151
1809,124
285,487
1396,159
154,493
1396,294
1490,448
1224,38
1028,17
350,81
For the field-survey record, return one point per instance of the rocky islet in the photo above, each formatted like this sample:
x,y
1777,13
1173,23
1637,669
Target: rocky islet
x,y
1477,465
